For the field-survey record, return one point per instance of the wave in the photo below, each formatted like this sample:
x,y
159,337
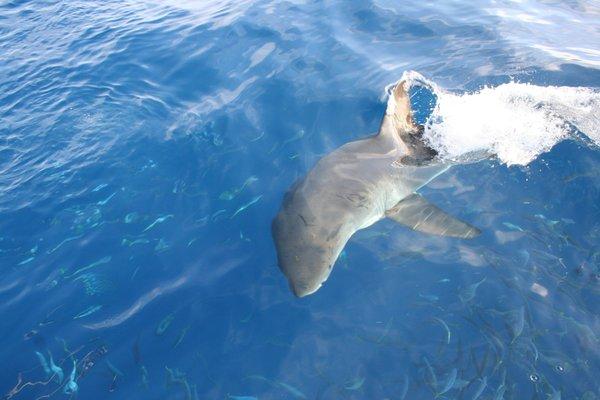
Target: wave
x,y
516,122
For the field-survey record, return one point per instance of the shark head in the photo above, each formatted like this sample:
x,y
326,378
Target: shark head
x,y
305,253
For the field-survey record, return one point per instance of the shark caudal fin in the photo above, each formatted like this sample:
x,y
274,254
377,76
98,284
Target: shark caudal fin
x,y
399,127
398,113
418,214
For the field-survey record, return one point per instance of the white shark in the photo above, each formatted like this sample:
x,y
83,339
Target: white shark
x,y
356,186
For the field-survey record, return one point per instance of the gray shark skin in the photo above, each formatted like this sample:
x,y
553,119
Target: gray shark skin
x,y
352,188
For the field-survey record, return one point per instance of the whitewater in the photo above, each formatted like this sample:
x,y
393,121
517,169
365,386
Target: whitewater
x,y
515,122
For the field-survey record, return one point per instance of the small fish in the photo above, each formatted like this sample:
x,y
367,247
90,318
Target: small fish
x,y
231,194
32,333
292,390
449,383
570,178
386,330
555,394
174,376
297,136
113,384
242,208
247,239
135,351
536,353
103,202
164,324
157,221
516,322
127,242
30,259
429,297
131,217
176,187
525,255
43,363
114,369
468,293
547,221
161,246
289,388
273,148
88,311
258,137
404,387
355,384
58,372
432,377
513,226
63,242
103,260
480,389
71,386
144,376
500,392
218,214
91,358
92,283
181,336
194,392
461,384
248,317
116,373
441,321
480,367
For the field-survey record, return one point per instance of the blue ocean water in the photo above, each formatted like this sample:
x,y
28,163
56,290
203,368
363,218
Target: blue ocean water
x,y
146,146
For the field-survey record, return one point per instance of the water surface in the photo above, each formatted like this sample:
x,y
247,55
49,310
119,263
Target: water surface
x,y
145,148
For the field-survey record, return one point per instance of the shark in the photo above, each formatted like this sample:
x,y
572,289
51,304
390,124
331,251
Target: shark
x,y
355,186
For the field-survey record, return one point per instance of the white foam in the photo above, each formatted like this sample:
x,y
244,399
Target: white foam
x,y
515,121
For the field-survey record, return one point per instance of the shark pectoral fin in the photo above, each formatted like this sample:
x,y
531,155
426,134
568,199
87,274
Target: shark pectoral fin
x,y
418,214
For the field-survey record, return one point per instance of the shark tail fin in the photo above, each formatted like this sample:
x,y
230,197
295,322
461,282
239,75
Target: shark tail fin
x,y
398,114
418,214
399,127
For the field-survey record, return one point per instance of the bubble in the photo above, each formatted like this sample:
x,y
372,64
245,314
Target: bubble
x,y
534,377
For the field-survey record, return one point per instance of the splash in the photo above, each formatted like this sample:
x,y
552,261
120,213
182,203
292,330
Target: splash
x,y
516,122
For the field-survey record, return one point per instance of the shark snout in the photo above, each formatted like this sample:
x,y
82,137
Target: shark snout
x,y
302,289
